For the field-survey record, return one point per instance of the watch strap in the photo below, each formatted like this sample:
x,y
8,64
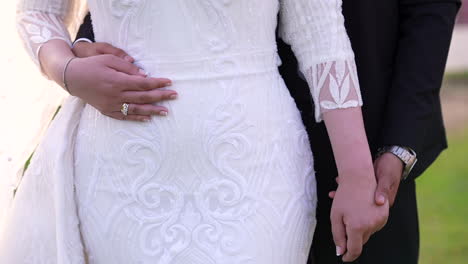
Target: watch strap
x,y
406,155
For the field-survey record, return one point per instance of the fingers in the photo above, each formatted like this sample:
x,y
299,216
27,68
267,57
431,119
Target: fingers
x,y
354,244
84,49
150,97
123,66
366,237
383,218
145,84
388,170
135,83
140,113
147,110
386,190
381,192
332,193
120,116
339,234
105,48
380,197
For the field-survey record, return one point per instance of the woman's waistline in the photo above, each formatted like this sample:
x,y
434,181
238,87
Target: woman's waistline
x,y
215,67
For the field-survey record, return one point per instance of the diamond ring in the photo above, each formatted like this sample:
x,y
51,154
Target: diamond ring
x,y
124,109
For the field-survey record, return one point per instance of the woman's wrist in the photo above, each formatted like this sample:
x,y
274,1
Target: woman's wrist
x,y
349,142
357,174
65,73
357,165
54,55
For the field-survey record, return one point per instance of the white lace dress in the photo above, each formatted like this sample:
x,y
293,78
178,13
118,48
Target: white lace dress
x,y
226,178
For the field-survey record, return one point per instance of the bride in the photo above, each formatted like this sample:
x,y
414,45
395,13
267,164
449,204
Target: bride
x,y
222,172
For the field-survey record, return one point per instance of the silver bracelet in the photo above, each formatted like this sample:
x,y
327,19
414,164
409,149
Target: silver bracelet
x,y
64,72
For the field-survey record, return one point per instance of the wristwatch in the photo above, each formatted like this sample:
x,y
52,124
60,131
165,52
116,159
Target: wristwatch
x,y
406,155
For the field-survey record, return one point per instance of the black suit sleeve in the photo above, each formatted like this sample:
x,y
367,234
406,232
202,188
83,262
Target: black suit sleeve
x,y
413,101
86,29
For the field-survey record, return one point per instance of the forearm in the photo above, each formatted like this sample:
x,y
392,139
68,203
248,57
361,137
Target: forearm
x,y
426,30
53,56
349,142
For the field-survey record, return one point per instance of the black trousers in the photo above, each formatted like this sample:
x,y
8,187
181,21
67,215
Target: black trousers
x,y
396,243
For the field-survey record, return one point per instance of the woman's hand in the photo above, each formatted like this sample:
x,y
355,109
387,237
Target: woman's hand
x,y
354,215
108,81
139,94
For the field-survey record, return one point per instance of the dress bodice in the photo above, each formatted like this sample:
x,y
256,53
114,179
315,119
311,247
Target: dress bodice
x,y
186,30
198,38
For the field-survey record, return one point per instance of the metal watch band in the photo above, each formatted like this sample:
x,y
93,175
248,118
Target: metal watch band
x,y
406,155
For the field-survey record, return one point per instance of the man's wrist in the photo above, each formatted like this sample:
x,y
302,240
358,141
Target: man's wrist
x,y
405,154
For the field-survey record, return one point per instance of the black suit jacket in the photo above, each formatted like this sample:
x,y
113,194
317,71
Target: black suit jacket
x,y
401,48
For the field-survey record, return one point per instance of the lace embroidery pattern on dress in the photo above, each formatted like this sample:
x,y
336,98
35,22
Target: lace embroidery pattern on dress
x,y
334,85
212,21
127,11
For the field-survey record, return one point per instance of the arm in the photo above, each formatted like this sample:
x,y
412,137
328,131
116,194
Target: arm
x,y
315,30
101,81
425,34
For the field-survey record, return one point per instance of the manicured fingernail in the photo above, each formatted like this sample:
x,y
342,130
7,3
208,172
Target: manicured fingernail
x,y
173,96
163,113
381,199
338,251
146,120
168,84
143,72
128,58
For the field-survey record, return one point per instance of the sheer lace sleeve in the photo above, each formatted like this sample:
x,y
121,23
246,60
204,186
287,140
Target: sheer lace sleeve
x,y
315,30
39,21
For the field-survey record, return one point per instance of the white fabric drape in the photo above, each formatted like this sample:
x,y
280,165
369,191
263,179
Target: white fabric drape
x,y
44,220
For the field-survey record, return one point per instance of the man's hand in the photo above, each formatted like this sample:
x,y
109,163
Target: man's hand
x,y
388,170
85,49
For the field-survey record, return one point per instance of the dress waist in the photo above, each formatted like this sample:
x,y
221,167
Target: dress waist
x,y
215,67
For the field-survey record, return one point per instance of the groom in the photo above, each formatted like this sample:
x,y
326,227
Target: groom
x,y
401,48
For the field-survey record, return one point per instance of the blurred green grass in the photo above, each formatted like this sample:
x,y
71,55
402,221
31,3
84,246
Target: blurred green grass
x,y
443,205
456,76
